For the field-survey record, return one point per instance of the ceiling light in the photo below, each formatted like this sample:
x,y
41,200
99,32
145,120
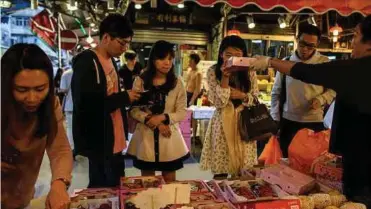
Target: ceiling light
x,y
138,6
282,22
93,45
250,22
94,29
92,24
181,6
256,41
312,21
336,30
72,5
89,39
5,4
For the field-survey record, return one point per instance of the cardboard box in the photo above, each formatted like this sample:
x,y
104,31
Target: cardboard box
x,y
140,183
106,198
326,167
239,63
276,204
249,191
290,180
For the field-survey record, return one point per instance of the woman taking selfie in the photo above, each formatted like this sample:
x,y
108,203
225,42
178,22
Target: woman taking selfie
x,y
224,152
31,122
157,142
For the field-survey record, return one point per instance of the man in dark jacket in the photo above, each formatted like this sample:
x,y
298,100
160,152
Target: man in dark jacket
x,y
130,70
99,114
350,134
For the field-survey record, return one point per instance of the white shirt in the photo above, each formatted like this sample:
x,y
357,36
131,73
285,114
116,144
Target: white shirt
x,y
66,85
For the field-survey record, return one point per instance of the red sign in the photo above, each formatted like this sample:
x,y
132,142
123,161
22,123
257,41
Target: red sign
x,y
344,7
69,39
45,27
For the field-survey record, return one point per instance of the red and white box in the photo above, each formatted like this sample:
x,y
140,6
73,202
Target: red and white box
x,y
239,63
95,198
326,166
290,180
140,183
275,204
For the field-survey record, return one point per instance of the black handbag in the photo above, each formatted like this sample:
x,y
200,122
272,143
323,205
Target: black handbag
x,y
255,123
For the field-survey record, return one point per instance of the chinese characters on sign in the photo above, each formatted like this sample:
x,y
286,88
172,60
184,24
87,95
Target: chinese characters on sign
x,y
176,19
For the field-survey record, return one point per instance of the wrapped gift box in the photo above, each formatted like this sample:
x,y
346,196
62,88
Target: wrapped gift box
x,y
288,179
249,191
106,198
328,167
140,183
275,204
239,63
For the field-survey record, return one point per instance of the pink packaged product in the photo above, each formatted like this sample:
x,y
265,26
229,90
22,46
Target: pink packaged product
x,y
197,186
105,198
288,179
249,191
218,188
140,183
239,63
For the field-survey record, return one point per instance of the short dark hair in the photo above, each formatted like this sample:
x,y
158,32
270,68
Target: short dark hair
x,y
365,27
130,55
195,57
117,26
310,30
17,58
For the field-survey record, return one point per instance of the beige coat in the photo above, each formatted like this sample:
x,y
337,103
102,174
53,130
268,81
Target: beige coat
x,y
142,142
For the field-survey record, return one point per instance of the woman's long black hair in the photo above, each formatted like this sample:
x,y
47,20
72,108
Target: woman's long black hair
x,y
160,50
242,79
31,57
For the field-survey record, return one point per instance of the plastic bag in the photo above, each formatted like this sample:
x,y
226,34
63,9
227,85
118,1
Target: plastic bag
x,y
272,152
306,147
327,121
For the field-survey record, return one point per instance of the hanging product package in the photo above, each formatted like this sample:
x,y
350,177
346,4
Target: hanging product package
x,y
306,147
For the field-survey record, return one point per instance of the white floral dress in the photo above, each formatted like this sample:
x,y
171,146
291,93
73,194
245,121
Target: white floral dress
x,y
215,153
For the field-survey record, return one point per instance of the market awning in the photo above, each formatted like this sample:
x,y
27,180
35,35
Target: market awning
x,y
344,7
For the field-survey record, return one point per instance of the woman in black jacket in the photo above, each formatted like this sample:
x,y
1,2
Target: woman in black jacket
x,y
350,134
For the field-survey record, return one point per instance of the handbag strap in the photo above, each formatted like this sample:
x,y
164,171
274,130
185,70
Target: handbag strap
x,y
65,97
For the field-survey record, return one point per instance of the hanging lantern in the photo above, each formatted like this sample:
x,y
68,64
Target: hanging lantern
x,y
336,30
233,32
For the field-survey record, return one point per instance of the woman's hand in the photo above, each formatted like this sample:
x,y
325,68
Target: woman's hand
x,y
237,94
58,197
155,121
226,73
164,130
133,95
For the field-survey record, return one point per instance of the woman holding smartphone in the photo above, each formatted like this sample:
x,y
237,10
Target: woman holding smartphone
x,y
157,143
31,122
224,152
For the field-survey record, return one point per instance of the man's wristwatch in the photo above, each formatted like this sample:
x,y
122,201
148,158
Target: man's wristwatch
x,y
65,181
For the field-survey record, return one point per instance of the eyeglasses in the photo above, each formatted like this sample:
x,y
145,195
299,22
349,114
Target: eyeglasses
x,y
123,43
309,46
